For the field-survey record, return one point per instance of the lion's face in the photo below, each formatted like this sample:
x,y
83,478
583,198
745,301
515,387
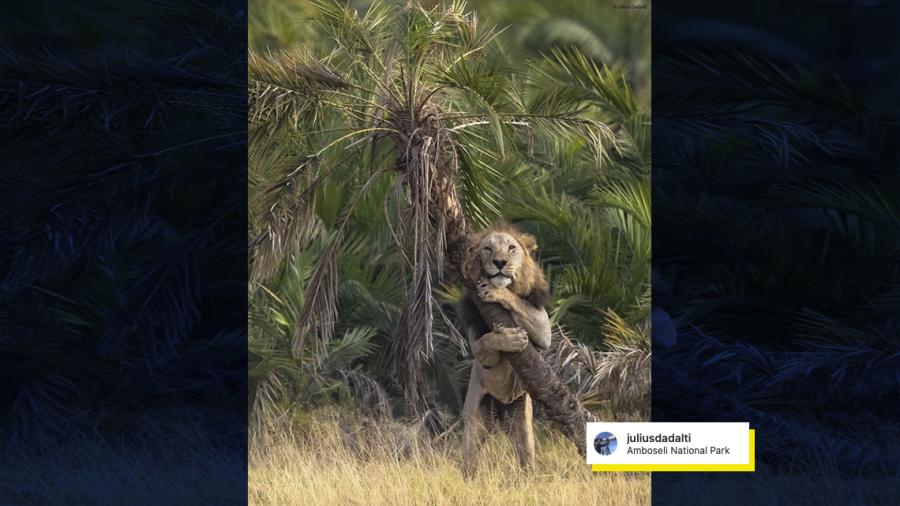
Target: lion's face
x,y
501,258
504,255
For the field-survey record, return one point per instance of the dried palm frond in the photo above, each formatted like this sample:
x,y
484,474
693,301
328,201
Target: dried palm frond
x,y
618,378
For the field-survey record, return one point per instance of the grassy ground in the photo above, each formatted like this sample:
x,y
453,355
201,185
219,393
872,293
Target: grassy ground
x,y
331,463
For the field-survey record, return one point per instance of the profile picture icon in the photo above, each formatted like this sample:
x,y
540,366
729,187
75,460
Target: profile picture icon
x,y
605,443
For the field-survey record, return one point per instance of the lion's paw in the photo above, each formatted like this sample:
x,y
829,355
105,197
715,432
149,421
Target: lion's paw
x,y
511,339
484,292
492,294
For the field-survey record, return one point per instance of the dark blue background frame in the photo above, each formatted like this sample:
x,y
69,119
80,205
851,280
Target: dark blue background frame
x,y
123,348
776,243
123,231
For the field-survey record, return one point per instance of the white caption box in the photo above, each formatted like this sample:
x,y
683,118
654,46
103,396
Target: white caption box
x,y
668,445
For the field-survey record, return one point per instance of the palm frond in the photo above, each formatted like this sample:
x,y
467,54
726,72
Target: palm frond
x,y
418,106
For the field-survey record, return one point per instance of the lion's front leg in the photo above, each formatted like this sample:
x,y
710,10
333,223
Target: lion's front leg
x,y
534,320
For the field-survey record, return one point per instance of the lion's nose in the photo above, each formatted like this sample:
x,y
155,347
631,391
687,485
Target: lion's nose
x,y
500,263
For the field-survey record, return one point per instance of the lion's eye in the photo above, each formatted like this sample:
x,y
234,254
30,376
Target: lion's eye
x,y
487,249
512,247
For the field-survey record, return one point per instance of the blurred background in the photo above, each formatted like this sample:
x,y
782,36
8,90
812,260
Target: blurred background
x,y
775,188
123,265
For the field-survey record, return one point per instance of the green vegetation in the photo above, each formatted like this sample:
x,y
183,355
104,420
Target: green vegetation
x,y
348,302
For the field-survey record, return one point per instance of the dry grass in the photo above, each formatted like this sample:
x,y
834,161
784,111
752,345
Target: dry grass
x,y
329,462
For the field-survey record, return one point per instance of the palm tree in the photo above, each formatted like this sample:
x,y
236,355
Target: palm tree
x,y
602,31
419,101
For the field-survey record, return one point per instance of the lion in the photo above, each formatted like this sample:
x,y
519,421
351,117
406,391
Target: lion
x,y
501,258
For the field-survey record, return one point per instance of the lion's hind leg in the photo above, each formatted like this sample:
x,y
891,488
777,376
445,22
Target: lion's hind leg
x,y
475,425
522,432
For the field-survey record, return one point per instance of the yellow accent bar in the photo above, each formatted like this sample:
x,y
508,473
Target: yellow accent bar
x,y
749,467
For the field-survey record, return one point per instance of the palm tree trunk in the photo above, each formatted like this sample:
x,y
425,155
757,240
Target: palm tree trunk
x,y
540,381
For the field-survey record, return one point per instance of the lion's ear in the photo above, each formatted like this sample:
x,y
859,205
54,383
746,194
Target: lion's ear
x,y
528,242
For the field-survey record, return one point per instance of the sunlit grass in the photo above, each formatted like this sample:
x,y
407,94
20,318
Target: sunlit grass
x,y
333,462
